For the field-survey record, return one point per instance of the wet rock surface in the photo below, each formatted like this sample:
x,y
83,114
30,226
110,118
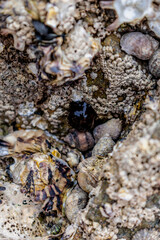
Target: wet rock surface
x,y
90,98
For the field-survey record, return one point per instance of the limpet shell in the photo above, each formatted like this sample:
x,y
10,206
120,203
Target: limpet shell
x,y
139,45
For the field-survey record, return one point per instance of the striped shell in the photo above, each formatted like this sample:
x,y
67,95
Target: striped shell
x,y
45,177
83,141
38,167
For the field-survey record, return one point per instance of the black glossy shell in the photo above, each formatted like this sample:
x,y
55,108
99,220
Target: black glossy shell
x,y
81,116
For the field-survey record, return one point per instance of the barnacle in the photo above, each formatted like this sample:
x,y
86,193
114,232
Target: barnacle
x,y
146,234
65,65
36,9
61,12
8,7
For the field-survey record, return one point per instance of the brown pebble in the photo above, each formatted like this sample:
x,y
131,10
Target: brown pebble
x,y
83,141
139,45
113,127
154,64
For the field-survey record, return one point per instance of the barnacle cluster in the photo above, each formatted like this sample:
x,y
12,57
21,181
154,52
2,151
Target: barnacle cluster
x,y
144,234
18,23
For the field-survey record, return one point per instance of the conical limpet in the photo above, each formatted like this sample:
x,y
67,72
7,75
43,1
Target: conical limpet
x,y
139,45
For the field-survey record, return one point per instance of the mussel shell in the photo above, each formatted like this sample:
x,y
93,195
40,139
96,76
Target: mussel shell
x,y
81,116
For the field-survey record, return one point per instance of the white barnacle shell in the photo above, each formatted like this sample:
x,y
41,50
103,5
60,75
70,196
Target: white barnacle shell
x,y
147,234
60,12
26,109
72,58
124,194
128,10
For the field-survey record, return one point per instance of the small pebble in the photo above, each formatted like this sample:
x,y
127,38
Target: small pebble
x,y
154,64
139,45
113,127
103,146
